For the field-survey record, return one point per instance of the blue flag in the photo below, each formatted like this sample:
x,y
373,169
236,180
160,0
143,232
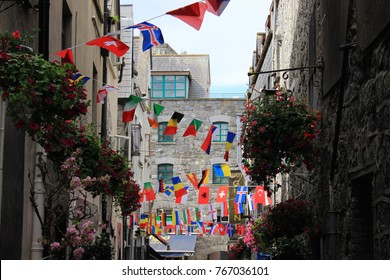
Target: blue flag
x,y
151,33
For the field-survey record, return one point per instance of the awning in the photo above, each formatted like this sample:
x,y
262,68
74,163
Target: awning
x,y
177,245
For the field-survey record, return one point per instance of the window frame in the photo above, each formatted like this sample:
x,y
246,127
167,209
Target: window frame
x,y
218,137
166,85
160,133
164,173
217,180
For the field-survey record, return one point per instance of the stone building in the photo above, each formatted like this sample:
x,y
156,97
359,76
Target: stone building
x,y
177,155
348,43
62,24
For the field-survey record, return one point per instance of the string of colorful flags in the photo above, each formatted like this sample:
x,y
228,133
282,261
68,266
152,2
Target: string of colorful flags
x,y
182,222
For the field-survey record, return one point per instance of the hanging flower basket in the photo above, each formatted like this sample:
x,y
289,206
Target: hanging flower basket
x,y
278,134
45,101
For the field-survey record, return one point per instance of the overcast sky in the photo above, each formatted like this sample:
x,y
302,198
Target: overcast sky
x,y
229,39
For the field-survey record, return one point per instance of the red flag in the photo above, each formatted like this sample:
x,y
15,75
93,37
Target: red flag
x,y
66,55
193,180
224,209
172,123
111,44
216,6
193,128
204,195
102,92
192,14
222,193
261,196
207,142
149,192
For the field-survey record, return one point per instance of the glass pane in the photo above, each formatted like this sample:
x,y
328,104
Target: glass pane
x,y
157,93
157,78
169,86
180,93
169,93
180,79
169,78
180,86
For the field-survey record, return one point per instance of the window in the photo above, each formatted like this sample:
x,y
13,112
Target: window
x,y
165,171
169,86
220,133
220,180
161,129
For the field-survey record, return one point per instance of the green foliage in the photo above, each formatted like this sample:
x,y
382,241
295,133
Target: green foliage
x,y
278,133
277,231
100,249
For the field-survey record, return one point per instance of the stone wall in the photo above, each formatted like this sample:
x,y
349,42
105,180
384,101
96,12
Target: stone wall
x,y
354,144
187,156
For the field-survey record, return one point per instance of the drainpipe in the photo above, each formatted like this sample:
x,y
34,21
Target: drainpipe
x,y
43,49
2,132
39,194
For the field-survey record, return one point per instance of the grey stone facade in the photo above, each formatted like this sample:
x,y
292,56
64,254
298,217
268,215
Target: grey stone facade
x,y
350,186
187,157
197,65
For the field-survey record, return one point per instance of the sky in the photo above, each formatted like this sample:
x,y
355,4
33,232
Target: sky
x,y
229,39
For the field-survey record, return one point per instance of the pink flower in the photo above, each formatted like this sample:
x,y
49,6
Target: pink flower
x,y
75,182
262,129
55,246
78,253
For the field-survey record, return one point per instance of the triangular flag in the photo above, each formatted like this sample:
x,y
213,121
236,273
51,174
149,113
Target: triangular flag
x,y
102,93
152,35
172,123
111,44
156,111
193,128
216,6
229,141
66,55
194,181
192,14
130,106
206,146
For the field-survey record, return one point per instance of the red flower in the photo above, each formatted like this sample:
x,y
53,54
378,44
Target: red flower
x,y
67,142
16,34
19,124
4,56
34,126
